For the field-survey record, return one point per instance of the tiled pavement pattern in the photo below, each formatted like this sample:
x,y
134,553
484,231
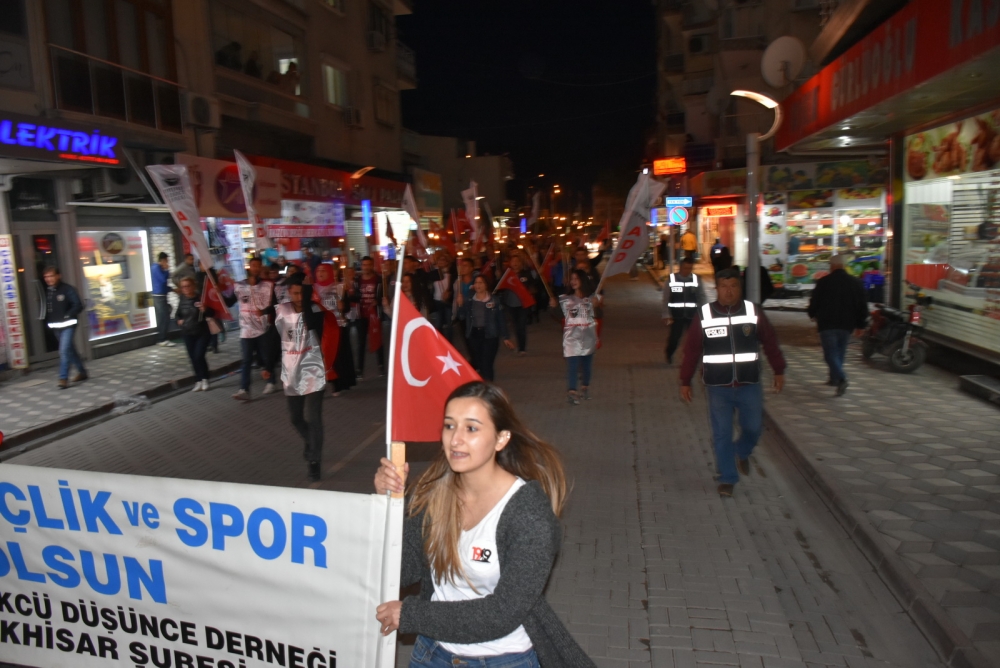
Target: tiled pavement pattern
x,y
656,570
34,399
921,458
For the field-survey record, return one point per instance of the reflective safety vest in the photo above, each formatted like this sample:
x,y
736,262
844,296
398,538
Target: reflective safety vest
x,y
683,295
730,350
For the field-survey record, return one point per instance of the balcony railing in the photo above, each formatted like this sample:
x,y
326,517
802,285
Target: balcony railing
x,y
699,85
90,85
406,62
250,89
673,62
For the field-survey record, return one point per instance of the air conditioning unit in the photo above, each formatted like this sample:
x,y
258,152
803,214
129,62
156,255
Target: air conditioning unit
x,y
121,183
376,41
352,116
201,111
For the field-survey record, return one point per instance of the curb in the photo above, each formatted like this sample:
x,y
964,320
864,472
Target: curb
x,y
949,641
33,433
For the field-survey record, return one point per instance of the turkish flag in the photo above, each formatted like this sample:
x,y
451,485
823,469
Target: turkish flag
x,y
210,298
605,232
550,261
426,369
511,282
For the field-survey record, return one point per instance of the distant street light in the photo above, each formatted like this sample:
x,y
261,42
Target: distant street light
x,y
754,140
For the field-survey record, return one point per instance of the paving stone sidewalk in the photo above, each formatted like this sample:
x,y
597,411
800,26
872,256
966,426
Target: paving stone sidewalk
x,y
919,457
656,570
34,400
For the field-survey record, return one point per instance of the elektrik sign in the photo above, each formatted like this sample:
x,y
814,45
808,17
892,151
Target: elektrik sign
x,y
40,138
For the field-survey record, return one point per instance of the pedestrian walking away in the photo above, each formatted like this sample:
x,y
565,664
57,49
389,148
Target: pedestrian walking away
x,y
303,371
689,244
579,312
485,326
683,295
62,307
838,306
191,318
256,301
732,331
722,258
518,313
480,536
161,308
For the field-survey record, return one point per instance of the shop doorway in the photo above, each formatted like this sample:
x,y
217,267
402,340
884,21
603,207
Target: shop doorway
x,y
35,249
727,232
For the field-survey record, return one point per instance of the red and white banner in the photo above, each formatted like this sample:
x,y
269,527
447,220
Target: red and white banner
x,y
248,179
218,190
633,239
511,281
174,184
426,369
410,207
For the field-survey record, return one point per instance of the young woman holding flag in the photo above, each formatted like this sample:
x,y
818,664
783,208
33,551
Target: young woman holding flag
x,y
578,311
481,536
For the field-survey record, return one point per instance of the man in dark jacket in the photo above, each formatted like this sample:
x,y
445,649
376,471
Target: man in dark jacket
x,y
62,306
838,305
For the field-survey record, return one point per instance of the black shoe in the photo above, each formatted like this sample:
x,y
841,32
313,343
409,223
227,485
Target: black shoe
x,y
841,387
314,474
744,466
726,490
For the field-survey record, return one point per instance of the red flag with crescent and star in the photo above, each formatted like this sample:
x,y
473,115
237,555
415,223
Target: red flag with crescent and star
x,y
427,370
510,281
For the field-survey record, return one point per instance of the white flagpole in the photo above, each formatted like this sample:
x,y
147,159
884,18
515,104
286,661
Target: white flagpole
x,y
393,332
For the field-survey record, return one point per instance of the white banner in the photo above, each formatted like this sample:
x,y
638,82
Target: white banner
x,y
218,190
410,207
13,344
633,237
102,569
248,177
471,199
175,187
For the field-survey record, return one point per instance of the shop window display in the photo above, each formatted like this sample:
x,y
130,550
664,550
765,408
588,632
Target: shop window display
x,y
117,271
952,228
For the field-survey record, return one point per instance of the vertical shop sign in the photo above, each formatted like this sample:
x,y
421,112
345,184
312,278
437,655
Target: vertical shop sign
x,y
17,354
248,177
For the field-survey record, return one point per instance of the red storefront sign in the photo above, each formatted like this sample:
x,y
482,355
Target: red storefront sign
x,y
321,184
922,40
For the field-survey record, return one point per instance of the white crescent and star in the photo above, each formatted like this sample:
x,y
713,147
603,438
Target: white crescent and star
x,y
449,362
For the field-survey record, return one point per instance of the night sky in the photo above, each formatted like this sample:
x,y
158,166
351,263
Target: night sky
x,y
565,88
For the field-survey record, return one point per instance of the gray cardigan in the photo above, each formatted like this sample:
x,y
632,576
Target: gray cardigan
x,y
528,538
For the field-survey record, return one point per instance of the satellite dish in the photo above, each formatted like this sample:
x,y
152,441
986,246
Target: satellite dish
x,y
717,100
783,61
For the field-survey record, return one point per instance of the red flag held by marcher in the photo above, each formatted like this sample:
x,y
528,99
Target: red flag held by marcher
x,y
605,232
510,281
426,370
550,261
211,299
374,331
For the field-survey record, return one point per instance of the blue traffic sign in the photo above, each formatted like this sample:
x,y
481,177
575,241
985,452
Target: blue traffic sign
x,y
680,201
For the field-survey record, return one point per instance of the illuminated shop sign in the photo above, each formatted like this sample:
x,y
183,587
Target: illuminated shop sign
x,y
39,139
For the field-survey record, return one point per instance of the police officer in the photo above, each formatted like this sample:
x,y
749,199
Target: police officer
x,y
683,293
732,332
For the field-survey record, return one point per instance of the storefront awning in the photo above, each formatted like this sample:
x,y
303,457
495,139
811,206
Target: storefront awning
x,y
930,59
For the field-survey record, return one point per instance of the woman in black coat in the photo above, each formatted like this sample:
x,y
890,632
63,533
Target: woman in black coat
x,y
192,317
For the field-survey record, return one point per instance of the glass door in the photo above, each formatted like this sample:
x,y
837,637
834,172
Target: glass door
x,y
34,251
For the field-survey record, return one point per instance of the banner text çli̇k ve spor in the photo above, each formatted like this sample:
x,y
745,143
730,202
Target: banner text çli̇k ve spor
x,y
103,568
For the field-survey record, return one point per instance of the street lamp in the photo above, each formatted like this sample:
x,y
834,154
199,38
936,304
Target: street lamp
x,y
754,140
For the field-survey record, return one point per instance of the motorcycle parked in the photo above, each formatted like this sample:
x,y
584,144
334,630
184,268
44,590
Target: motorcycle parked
x,y
895,333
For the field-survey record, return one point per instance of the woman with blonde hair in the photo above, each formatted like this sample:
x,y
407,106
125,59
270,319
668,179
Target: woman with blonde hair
x,y
481,535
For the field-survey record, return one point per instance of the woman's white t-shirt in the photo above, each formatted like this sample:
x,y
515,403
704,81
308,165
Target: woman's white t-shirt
x,y
477,549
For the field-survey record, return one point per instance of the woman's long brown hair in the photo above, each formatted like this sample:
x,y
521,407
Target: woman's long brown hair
x,y
436,492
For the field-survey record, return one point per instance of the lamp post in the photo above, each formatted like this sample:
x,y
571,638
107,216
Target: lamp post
x,y
754,140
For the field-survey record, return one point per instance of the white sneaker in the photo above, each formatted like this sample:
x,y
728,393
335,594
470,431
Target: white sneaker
x,y
204,385
242,395
197,387
269,388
